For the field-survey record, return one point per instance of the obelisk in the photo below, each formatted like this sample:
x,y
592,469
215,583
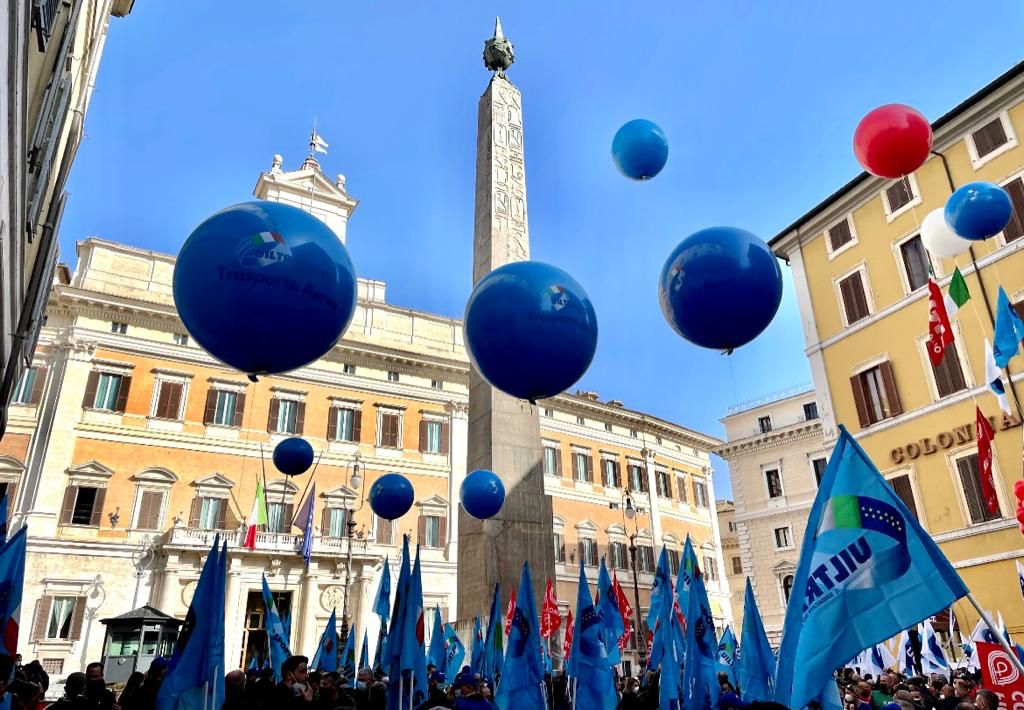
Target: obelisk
x,y
504,432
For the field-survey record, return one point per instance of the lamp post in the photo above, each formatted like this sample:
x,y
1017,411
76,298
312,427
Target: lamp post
x,y
629,511
350,525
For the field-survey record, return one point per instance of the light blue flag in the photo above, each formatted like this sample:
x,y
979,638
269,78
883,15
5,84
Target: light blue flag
x,y
254,664
413,652
379,651
1009,330
195,674
933,659
364,654
588,659
867,570
326,656
660,590
670,660
494,646
757,660
727,655
286,624
522,678
455,654
12,583
700,675
276,635
398,690
545,657
347,662
686,570
611,615
435,652
382,604
477,659
665,633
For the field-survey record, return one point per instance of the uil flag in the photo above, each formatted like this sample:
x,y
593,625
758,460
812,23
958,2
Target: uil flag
x,y
550,619
906,650
258,516
347,662
509,612
454,654
279,650
382,604
939,333
957,294
757,662
595,684
727,655
627,613
988,484
611,615
1009,330
700,676
867,571
326,656
436,650
522,678
1020,577
933,660
570,626
364,654
994,377
413,653
494,646
12,579
477,658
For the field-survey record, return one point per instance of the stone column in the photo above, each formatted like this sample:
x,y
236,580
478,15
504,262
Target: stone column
x,y
169,588
362,603
458,445
308,635
652,494
232,624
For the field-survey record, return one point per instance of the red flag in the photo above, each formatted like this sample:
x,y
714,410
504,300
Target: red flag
x,y
627,613
549,617
567,643
510,612
940,334
988,486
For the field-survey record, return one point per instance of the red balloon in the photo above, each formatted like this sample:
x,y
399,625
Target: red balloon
x,y
1018,490
1020,517
892,141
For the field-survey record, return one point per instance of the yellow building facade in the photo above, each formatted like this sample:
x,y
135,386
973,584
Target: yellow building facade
x,y
129,448
860,272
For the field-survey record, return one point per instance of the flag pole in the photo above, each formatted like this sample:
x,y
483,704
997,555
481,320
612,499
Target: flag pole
x,y
995,632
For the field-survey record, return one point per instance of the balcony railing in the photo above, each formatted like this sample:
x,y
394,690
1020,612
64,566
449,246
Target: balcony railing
x,y
44,15
265,541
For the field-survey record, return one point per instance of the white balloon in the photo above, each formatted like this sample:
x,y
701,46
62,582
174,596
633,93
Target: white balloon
x,y
939,239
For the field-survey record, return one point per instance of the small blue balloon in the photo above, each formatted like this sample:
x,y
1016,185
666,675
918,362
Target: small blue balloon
x,y
640,149
293,456
530,329
978,210
720,288
264,287
482,494
391,496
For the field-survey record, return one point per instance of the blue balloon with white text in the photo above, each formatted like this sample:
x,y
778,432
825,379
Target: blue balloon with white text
x,y
640,149
264,287
978,210
720,288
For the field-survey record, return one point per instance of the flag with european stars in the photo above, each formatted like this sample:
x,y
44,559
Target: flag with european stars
x,y
611,615
700,675
588,660
867,570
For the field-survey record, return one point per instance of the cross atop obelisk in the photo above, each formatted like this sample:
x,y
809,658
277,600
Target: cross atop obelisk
x,y
504,432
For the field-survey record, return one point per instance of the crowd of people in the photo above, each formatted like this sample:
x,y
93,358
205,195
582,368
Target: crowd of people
x,y
961,690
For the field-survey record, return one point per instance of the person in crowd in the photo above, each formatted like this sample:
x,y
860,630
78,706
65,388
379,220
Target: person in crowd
x,y
100,697
986,700
882,693
470,696
630,699
234,691
145,697
361,693
293,692
130,688
74,687
560,692
436,695
377,698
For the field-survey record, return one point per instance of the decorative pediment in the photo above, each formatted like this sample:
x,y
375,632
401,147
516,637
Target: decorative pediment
x,y
280,487
670,539
586,526
90,469
644,534
783,568
708,547
156,475
216,480
434,501
11,466
343,493
616,529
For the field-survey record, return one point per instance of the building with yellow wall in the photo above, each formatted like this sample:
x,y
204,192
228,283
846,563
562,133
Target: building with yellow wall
x,y
860,272
129,448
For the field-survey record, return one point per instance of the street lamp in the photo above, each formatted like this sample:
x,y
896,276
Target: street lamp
x,y
630,511
356,480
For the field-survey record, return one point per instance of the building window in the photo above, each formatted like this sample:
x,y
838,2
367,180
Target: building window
x,y
210,513
389,429
610,473
839,235
392,376
899,194
582,467
970,483
335,523
62,617
915,262
737,565
645,558
787,586
819,465
552,461
1015,229
637,478
854,298
782,539
710,568
588,551
905,492
774,482
549,413
433,436
168,400
700,494
384,531
279,517
681,488
150,506
732,526
344,424
119,328
348,369
286,416
224,408
180,339
632,433
874,393
673,561
432,531
82,505
663,484
764,424
989,138
559,548
810,411
617,555
30,386
105,390
607,426
948,374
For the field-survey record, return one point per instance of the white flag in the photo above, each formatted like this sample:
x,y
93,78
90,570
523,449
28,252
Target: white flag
x,y
318,144
994,377
1020,576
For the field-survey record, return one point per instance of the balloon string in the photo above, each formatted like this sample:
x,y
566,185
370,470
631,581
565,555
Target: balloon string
x,y
247,419
732,376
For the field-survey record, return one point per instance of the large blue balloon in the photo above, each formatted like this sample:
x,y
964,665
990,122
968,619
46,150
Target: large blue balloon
x,y
720,287
640,149
391,496
530,329
293,456
978,210
264,287
482,494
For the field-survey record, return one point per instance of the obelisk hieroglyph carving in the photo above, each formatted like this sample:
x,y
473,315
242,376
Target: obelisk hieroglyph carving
x,y
504,432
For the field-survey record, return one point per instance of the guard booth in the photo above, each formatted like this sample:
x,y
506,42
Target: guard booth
x,y
134,639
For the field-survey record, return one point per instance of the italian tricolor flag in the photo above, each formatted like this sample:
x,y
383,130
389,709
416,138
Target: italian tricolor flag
x,y
957,294
266,238
258,516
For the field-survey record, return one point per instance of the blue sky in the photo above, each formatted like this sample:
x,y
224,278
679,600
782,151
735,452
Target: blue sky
x,y
759,101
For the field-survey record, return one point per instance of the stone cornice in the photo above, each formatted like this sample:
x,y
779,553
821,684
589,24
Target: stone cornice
x,y
776,437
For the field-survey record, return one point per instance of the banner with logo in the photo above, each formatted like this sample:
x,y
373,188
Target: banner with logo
x,y
999,674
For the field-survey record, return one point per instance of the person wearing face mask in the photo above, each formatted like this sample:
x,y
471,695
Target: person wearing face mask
x,y
96,692
293,692
361,693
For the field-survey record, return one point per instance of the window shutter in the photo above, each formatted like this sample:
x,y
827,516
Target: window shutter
x,y
76,621
580,552
558,461
423,435
211,406
885,369
860,401
37,385
222,514
239,408
357,425
905,492
193,516
421,531
12,495
288,514
1015,229
445,434
68,506
275,405
163,389
89,400
41,619
97,507
442,531
332,423
149,510
122,393
300,417
589,460
643,480
383,531
325,522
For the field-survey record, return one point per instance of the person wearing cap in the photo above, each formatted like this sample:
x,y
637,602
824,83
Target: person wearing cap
x,y
436,697
470,697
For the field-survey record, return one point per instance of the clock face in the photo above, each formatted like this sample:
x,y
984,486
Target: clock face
x,y
188,592
332,598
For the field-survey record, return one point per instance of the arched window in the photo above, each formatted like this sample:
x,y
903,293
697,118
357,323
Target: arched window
x,y
787,586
